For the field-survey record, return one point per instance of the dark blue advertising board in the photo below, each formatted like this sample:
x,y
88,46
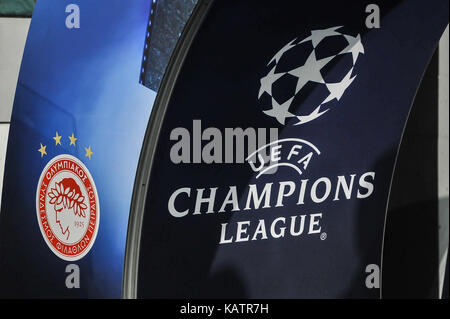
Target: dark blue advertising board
x,y
247,155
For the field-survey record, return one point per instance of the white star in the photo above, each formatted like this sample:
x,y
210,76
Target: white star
x,y
280,53
280,112
310,71
307,118
338,89
267,81
354,46
319,35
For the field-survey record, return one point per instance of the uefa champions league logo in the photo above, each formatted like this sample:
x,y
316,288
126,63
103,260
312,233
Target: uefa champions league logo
x,y
310,71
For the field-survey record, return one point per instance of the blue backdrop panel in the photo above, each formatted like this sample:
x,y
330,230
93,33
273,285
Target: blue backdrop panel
x,y
83,81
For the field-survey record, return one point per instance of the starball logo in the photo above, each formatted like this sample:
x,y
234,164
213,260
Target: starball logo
x,y
283,90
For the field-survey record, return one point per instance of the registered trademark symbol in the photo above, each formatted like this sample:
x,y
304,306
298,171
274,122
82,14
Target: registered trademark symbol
x,y
323,236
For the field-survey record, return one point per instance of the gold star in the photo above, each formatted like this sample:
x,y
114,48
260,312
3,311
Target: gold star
x,y
73,140
57,139
42,150
88,152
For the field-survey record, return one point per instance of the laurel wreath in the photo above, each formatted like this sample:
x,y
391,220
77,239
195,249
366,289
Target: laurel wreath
x,y
69,198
